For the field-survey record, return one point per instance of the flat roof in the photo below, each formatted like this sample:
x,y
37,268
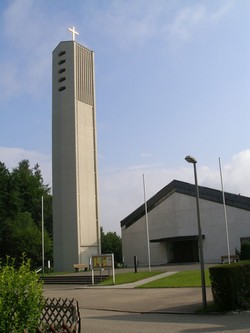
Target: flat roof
x,y
177,186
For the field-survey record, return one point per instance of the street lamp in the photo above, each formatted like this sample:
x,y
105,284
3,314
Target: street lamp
x,y
191,159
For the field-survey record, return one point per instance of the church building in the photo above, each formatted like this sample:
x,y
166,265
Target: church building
x,y
173,226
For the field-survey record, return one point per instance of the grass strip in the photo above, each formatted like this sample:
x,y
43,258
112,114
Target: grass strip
x,y
180,280
123,278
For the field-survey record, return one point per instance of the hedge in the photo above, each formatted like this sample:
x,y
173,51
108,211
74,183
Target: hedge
x,y
231,285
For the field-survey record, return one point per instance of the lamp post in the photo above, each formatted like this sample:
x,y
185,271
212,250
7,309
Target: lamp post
x,y
191,159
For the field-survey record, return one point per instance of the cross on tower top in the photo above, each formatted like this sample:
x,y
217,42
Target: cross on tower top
x,y
74,32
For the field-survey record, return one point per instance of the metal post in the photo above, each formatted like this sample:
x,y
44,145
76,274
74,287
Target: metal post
x,y
203,281
192,160
225,213
135,263
146,217
42,237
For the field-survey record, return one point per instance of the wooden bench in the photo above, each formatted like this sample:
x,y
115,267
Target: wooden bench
x,y
233,258
80,267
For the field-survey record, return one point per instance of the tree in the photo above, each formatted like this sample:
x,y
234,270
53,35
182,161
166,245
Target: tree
x,y
25,237
4,190
21,192
27,185
112,243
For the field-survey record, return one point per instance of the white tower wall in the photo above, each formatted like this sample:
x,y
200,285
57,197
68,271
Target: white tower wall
x,y
75,192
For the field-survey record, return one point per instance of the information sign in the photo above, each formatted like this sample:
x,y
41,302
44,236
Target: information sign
x,y
102,262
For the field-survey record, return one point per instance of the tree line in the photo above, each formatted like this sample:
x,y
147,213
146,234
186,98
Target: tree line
x,y
21,192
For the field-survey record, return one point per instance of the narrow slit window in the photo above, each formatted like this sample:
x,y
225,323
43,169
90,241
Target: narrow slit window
x,y
62,79
61,70
61,53
61,88
61,62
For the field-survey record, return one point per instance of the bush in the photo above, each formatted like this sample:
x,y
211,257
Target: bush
x,y
21,299
245,251
231,286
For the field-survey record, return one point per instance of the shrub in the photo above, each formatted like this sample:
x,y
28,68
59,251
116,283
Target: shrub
x,y
21,299
231,286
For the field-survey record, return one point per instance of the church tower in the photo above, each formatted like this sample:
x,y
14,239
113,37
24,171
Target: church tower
x,y
74,157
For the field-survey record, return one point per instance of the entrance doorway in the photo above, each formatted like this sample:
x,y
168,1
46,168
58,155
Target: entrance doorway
x,y
185,251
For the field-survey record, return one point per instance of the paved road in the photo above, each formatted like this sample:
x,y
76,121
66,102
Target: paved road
x,y
167,300
120,310
94,321
147,311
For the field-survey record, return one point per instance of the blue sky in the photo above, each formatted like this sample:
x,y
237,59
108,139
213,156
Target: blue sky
x,y
172,79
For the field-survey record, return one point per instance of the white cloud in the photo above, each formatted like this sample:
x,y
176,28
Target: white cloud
x,y
121,191
30,34
190,20
130,23
12,156
223,10
236,174
28,39
185,21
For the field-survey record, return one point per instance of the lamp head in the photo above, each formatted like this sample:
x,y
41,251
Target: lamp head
x,y
190,159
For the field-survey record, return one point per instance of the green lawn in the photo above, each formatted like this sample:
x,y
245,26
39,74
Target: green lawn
x,y
180,280
123,278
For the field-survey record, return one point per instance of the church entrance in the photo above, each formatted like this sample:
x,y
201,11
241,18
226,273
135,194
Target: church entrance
x,y
185,251
181,248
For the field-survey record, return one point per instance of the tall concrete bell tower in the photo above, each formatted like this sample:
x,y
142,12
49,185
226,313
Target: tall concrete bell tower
x,y
74,156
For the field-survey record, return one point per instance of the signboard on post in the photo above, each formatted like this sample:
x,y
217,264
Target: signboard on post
x,y
101,262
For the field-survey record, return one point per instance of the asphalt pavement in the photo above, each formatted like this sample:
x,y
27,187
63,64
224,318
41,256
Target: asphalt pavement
x,y
129,309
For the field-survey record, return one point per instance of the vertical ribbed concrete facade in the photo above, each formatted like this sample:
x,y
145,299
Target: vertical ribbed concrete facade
x,y
74,156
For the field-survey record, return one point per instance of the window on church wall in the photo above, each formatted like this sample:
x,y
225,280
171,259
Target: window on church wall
x,y
61,79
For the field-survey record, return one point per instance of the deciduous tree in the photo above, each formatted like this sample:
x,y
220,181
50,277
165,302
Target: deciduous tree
x,y
111,243
21,192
